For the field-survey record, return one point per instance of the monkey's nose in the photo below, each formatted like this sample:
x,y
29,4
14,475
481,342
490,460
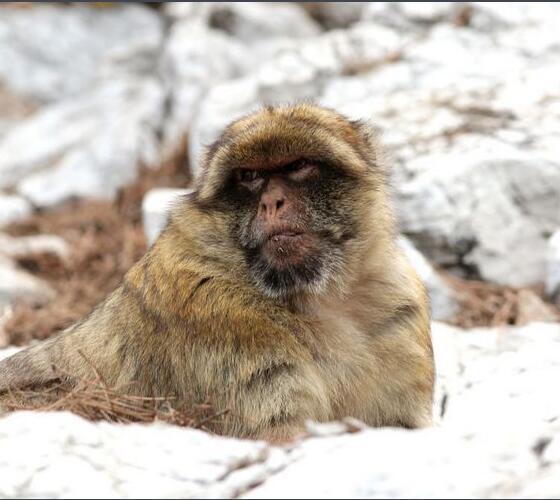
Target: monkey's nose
x,y
271,204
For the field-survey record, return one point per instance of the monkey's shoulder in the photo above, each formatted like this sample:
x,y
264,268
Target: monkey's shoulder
x,y
209,310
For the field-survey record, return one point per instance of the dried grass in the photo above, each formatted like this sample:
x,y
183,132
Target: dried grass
x,y
94,400
105,240
489,304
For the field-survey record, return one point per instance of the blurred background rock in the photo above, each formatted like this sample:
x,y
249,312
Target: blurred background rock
x,y
105,110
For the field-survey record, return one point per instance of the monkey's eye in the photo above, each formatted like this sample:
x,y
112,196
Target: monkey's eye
x,y
246,175
301,169
296,165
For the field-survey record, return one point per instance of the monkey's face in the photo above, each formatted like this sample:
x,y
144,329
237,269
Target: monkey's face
x,y
290,225
291,185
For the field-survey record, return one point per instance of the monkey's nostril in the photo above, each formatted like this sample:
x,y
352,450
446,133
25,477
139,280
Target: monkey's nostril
x,y
279,204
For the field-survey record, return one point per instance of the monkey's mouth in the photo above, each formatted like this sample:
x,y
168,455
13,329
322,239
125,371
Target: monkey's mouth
x,y
284,235
287,247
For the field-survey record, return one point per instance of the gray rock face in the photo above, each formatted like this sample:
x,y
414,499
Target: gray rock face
x,y
497,423
495,215
13,208
155,210
443,301
51,52
14,108
17,285
194,58
89,146
335,15
248,22
259,23
24,246
553,267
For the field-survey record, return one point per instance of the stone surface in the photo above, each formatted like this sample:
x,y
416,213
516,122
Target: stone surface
x,y
25,246
17,285
88,146
497,423
13,208
333,15
260,23
493,214
155,210
68,45
443,301
553,267
14,108
194,58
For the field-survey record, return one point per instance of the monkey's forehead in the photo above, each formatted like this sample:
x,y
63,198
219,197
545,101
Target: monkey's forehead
x,y
298,112
276,136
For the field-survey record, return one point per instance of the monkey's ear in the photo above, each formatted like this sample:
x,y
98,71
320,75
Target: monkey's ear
x,y
371,134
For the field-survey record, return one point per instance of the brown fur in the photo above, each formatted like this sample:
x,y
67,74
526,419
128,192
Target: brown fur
x,y
188,322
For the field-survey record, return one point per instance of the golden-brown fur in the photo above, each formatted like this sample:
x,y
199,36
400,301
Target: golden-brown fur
x,y
189,322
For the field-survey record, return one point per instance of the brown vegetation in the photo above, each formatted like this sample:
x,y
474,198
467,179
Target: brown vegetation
x,y
105,238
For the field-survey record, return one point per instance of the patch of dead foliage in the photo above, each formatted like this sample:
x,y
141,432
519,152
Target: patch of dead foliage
x,y
93,400
489,304
105,239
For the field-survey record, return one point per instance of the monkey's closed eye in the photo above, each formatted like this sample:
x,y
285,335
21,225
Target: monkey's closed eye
x,y
246,175
296,165
301,169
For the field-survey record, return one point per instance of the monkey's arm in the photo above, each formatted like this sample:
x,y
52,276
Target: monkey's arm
x,y
81,351
402,347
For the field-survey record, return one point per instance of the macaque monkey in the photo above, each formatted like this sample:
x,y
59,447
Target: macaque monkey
x,y
276,291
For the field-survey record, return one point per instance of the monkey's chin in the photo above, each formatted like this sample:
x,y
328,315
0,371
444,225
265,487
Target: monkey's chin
x,y
284,251
288,265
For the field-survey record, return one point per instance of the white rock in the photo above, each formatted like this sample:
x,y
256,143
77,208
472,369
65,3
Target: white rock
x,y
21,286
517,14
553,266
9,351
50,52
443,302
495,214
223,104
14,108
260,22
24,246
334,15
194,59
155,209
410,15
511,362
185,10
449,368
87,146
250,23
13,208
